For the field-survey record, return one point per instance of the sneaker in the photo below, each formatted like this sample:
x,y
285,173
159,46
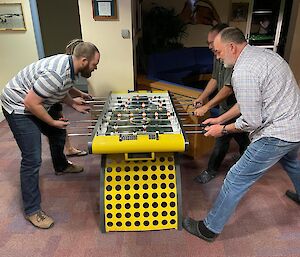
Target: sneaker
x,y
204,177
197,228
71,168
41,220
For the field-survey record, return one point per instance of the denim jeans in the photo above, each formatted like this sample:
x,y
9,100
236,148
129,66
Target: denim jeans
x,y
27,131
221,148
257,159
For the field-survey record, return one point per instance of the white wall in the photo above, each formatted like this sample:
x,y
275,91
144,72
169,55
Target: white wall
x,y
115,70
17,48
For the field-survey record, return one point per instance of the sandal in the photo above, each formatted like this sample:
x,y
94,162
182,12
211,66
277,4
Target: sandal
x,y
79,153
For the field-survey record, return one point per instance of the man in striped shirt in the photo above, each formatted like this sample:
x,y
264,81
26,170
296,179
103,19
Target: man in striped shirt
x,y
268,99
26,100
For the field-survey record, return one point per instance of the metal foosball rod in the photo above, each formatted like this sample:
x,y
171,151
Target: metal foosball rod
x,y
99,97
181,96
75,127
201,125
183,105
116,103
140,99
83,121
97,105
202,131
94,102
160,114
79,134
183,100
186,113
108,120
137,115
139,126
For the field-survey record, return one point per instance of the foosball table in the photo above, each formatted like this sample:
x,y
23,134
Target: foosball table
x,y
139,135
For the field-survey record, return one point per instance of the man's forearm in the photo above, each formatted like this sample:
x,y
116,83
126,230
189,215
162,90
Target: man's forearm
x,y
74,92
209,89
233,112
68,100
223,94
232,129
40,112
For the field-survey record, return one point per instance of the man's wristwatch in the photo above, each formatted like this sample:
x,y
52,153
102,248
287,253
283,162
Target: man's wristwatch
x,y
224,130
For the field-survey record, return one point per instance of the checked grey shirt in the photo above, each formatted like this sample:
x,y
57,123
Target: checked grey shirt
x,y
267,94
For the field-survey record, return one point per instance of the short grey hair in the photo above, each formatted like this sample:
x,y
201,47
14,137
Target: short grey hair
x,y
232,34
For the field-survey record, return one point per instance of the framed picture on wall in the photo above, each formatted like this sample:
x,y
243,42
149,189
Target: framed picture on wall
x,y
239,11
104,10
11,17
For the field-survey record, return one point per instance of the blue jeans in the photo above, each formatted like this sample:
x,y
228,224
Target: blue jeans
x,y
221,148
27,131
253,164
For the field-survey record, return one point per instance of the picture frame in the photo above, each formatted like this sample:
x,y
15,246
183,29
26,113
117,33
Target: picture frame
x,y
239,11
12,17
105,10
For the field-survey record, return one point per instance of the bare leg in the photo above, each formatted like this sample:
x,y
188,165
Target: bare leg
x,y
72,151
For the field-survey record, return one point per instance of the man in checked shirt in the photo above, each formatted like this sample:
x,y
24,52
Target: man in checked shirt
x,y
268,99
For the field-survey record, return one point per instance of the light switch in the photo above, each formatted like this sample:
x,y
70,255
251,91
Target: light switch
x,y
125,33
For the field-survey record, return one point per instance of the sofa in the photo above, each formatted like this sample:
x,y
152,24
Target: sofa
x,y
177,65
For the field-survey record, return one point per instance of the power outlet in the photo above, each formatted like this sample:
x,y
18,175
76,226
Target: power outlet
x,y
125,33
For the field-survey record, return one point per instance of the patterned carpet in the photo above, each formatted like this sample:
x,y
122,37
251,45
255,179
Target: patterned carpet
x,y
265,223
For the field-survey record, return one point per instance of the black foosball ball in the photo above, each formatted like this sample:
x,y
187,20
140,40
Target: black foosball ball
x,y
139,136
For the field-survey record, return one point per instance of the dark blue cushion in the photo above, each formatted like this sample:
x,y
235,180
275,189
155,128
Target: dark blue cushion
x,y
176,64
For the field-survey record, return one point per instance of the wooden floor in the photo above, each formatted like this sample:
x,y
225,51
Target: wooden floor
x,y
265,223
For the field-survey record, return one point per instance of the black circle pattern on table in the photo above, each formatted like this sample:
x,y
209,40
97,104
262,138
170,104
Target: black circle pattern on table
x,y
141,194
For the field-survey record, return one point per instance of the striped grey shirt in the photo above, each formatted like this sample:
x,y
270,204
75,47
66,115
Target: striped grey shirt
x,y
50,78
267,94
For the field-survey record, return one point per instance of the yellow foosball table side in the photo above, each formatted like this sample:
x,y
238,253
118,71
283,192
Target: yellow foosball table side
x,y
140,195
